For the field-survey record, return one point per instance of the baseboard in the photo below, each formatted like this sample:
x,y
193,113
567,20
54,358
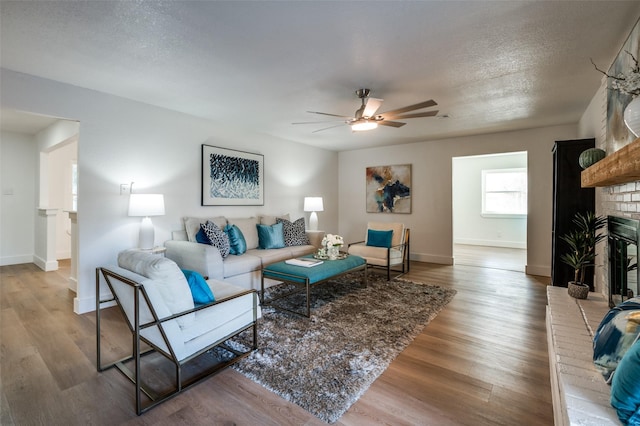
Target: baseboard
x,y
429,258
491,243
51,265
88,304
73,284
543,271
16,260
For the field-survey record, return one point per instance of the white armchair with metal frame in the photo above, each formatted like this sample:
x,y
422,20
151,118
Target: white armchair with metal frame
x,y
386,246
157,304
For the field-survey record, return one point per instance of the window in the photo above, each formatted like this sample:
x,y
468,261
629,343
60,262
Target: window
x,y
504,192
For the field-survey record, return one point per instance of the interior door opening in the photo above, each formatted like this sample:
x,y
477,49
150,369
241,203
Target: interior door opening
x,y
490,210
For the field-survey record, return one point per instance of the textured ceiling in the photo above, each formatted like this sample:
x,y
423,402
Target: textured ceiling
x,y
491,66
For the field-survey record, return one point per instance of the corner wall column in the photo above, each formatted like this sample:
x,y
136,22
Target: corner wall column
x,y
45,244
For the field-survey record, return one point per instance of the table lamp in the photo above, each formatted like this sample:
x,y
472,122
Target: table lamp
x,y
313,205
146,205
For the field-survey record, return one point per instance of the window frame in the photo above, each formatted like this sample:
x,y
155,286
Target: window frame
x,y
484,192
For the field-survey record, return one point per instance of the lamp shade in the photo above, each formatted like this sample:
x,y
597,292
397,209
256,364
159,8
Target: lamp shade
x,y
146,205
313,204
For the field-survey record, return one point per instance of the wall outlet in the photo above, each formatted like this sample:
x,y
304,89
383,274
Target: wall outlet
x,y
125,188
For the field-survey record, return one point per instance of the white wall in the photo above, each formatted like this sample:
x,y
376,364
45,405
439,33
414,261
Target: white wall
x,y
122,141
18,166
469,226
59,182
431,219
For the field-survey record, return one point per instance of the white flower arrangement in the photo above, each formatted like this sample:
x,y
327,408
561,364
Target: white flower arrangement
x,y
626,83
331,240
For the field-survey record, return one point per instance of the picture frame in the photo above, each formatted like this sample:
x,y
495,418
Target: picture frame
x,y
231,177
388,189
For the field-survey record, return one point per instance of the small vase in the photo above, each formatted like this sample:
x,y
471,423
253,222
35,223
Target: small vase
x,y
333,252
632,116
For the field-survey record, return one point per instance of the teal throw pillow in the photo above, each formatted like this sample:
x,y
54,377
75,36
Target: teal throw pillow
x,y
625,387
270,237
238,244
379,238
200,290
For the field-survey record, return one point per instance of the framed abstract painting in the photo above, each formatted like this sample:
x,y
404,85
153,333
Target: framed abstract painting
x,y
231,178
389,189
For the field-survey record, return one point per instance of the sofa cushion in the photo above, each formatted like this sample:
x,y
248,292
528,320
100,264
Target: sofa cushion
x,y
269,256
376,255
379,238
270,237
294,232
192,225
200,291
237,243
625,387
167,277
271,220
248,228
237,265
219,239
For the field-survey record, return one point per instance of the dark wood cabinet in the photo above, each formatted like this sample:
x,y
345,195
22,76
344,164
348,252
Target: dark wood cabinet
x,y
568,199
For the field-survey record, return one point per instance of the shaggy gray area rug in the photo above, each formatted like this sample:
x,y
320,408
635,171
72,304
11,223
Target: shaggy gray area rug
x,y
326,362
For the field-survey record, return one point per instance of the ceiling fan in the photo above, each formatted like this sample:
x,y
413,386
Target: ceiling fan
x,y
365,117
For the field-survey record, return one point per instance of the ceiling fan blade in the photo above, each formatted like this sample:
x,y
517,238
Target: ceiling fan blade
x,y
326,128
371,107
326,113
319,122
391,123
395,112
416,115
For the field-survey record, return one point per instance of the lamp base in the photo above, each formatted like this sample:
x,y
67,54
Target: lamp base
x,y
313,222
146,237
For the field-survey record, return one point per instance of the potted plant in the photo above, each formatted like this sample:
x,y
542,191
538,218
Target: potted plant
x,y
582,250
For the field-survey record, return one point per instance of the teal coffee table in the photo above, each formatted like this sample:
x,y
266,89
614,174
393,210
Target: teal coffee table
x,y
302,276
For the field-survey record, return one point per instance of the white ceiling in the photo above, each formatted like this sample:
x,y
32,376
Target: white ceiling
x,y
491,65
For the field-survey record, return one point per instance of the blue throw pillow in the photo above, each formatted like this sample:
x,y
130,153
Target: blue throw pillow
x,y
379,238
200,290
625,387
202,238
237,243
614,336
270,237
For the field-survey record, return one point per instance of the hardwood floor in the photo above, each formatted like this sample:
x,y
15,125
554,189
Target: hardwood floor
x,y
481,361
510,259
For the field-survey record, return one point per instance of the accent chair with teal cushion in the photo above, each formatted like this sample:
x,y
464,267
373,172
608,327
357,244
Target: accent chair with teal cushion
x,y
378,251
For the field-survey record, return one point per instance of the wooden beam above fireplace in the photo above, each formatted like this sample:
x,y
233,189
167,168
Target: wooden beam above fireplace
x,y
622,166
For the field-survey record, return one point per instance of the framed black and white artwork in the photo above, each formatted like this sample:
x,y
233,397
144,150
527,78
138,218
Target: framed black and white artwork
x,y
231,178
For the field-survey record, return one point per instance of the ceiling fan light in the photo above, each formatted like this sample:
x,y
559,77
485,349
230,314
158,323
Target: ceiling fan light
x,y
364,125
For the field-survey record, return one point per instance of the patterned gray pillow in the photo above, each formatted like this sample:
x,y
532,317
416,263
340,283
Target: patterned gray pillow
x,y
294,234
219,239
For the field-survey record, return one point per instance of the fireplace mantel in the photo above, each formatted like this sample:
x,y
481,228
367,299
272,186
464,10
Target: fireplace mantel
x,y
620,167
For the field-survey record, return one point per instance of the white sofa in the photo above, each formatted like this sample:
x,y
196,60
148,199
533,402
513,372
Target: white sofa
x,y
243,270
157,304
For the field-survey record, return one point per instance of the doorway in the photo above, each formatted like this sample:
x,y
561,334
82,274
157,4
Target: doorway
x,y
490,210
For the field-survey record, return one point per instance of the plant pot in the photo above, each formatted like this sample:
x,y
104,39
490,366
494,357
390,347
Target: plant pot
x,y
578,290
